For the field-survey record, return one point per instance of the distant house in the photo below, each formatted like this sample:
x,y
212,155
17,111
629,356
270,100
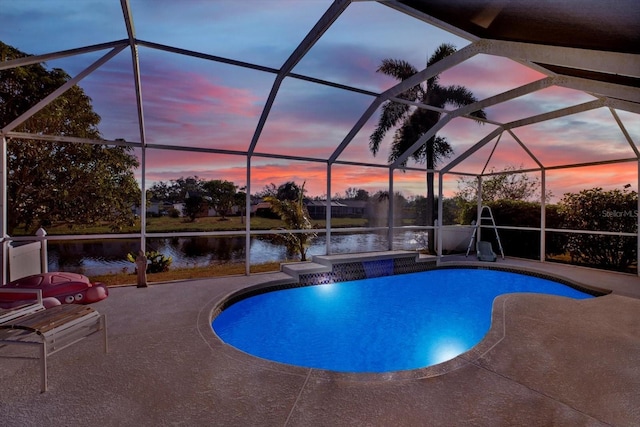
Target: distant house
x,y
153,207
260,205
355,208
318,209
262,209
158,208
339,209
179,207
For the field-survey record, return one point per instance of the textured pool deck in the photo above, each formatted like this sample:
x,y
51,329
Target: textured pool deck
x,y
547,361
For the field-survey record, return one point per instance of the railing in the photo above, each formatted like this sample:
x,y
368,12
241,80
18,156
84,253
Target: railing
x,y
448,241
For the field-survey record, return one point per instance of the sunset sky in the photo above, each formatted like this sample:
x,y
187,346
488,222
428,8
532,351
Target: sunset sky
x,y
200,103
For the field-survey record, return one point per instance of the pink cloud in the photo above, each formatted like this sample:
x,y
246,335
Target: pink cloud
x,y
266,171
576,139
543,101
608,177
479,75
196,95
188,106
316,141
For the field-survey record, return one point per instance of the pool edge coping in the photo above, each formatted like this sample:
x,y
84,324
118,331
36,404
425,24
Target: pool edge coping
x,y
493,337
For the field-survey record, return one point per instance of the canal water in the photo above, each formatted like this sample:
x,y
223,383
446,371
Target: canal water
x,y
99,257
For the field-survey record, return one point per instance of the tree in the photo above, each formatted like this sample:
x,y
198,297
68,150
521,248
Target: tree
x,y
183,187
353,193
295,215
193,205
268,190
420,209
287,191
240,200
415,122
176,190
222,194
362,195
508,184
290,191
73,183
161,191
599,210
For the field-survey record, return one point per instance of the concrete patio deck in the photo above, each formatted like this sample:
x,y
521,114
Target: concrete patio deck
x,y
546,361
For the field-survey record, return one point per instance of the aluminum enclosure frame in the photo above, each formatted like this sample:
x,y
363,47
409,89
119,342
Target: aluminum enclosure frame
x,y
608,92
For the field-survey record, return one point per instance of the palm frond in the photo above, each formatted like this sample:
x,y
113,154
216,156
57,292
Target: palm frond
x,y
392,114
441,52
414,123
461,96
295,215
397,68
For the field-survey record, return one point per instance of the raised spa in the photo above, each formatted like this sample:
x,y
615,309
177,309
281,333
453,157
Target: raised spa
x,y
384,324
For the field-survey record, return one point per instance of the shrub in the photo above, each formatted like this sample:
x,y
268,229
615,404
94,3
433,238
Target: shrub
x,y
156,262
517,213
598,210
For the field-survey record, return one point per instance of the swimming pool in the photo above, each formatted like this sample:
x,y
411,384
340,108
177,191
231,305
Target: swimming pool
x,y
384,324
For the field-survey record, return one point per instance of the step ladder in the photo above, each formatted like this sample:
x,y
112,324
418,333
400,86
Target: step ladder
x,y
484,216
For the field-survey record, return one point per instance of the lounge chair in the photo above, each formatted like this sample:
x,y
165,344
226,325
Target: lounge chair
x,y
21,307
485,251
51,330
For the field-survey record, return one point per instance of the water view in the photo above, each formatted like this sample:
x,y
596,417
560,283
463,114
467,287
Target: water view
x,y
99,257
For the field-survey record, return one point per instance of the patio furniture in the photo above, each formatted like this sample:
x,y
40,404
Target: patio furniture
x,y
53,330
24,307
485,251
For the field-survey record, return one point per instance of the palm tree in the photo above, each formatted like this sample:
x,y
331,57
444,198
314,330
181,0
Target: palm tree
x,y
415,122
295,215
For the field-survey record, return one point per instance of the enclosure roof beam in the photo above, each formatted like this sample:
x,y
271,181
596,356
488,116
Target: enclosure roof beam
x,y
249,65
619,104
471,150
562,112
123,143
323,24
493,150
209,57
37,59
559,167
624,131
470,108
423,139
613,63
598,163
126,11
441,110
437,68
525,148
62,89
599,88
73,139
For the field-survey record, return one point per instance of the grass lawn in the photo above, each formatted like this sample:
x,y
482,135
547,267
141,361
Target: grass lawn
x,y
171,225
122,279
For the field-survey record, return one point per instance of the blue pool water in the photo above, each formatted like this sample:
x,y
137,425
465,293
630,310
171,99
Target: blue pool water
x,y
384,324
